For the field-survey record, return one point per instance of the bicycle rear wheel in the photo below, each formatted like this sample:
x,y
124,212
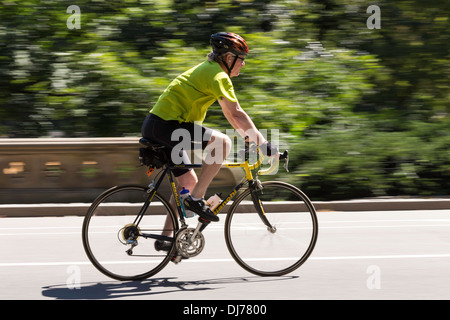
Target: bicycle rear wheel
x,y
273,231
110,230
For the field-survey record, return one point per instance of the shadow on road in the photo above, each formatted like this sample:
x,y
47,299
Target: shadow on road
x,y
149,287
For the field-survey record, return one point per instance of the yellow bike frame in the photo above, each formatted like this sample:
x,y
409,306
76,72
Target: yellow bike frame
x,y
248,177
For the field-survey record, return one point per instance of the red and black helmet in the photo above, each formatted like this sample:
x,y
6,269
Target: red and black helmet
x,y
224,42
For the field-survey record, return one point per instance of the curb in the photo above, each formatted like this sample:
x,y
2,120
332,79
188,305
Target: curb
x,y
384,204
80,209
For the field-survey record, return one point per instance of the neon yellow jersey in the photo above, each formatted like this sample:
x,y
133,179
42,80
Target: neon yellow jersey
x,y
189,95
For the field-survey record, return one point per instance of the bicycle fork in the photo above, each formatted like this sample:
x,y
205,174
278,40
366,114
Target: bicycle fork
x,y
256,189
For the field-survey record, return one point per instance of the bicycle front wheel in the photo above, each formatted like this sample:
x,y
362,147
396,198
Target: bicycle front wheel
x,y
271,231
121,246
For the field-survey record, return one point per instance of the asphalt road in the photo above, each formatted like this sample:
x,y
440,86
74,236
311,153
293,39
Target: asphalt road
x,y
359,255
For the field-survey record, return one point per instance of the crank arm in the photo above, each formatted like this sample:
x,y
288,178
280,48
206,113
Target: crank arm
x,y
156,237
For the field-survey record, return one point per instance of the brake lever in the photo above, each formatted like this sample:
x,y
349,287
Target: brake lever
x,y
285,156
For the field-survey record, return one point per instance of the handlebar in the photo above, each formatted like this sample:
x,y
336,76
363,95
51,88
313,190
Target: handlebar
x,y
274,162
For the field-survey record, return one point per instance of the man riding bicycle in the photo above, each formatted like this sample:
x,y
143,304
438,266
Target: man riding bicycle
x,y
184,104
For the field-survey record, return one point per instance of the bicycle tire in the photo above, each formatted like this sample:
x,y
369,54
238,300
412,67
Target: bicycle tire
x,y
107,221
272,251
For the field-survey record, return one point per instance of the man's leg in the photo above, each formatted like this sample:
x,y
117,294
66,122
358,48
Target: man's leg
x,y
217,150
188,181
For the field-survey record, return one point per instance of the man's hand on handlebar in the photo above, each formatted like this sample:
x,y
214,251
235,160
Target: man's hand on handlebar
x,y
272,152
269,150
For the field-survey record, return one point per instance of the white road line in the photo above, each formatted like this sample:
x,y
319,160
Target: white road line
x,y
68,263
39,233
321,227
399,256
385,226
243,223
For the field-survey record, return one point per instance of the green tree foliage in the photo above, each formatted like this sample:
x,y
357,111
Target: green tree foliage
x,y
363,111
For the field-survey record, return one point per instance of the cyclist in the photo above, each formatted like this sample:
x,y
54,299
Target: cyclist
x,y
184,104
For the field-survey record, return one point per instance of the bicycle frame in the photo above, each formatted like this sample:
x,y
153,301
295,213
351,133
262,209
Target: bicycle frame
x,y
167,171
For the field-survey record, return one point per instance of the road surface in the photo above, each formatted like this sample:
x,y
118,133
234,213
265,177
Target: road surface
x,y
359,255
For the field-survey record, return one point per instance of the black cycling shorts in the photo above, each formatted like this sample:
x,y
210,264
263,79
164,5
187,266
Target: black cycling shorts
x,y
166,133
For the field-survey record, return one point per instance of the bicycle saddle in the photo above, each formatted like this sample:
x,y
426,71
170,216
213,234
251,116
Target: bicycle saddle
x,y
148,143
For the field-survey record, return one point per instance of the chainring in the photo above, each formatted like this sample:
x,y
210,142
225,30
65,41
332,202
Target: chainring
x,y
188,247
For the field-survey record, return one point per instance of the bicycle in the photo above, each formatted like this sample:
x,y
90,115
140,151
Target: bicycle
x,y
271,227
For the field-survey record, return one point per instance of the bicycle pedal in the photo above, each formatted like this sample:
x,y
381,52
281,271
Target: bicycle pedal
x,y
177,259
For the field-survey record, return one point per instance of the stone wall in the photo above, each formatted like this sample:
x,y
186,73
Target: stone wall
x,y
62,170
